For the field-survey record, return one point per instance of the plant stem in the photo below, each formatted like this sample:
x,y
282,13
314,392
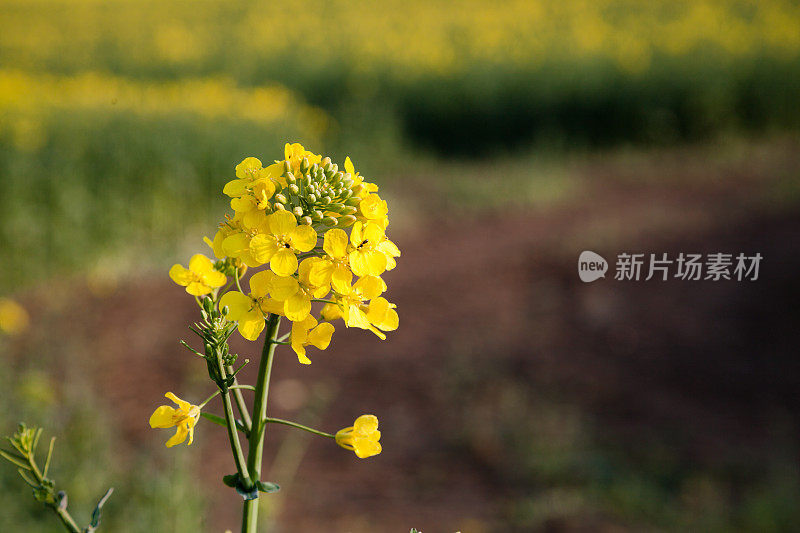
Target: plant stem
x,y
62,514
299,426
259,422
237,395
233,436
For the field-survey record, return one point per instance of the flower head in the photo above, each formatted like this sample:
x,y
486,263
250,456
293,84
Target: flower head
x,y
362,437
307,332
184,418
200,278
284,240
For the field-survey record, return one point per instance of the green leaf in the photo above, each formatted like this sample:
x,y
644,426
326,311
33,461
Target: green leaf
x,y
14,458
231,480
97,510
268,486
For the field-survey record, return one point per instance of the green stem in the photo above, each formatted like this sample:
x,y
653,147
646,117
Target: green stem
x,y
63,514
256,439
233,437
299,426
233,387
240,404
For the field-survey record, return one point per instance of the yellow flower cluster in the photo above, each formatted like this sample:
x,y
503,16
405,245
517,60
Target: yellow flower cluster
x,y
292,218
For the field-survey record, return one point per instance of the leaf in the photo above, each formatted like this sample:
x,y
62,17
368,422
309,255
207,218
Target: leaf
x,y
231,480
49,456
96,513
16,459
268,486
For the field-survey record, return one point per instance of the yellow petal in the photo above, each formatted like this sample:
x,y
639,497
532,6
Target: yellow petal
x,y
369,287
348,166
321,335
297,307
214,279
246,168
281,222
197,288
359,263
236,245
179,437
235,188
180,275
364,448
321,273
282,287
182,404
303,238
373,233
366,423
263,247
238,304
162,417
300,350
284,262
331,312
376,262
342,280
335,243
356,236
260,283
251,324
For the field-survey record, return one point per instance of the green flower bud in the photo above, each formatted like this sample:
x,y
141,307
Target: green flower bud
x,y
287,167
290,178
329,221
280,198
279,207
336,208
298,211
294,188
349,210
357,189
326,199
312,198
347,221
317,215
304,165
306,220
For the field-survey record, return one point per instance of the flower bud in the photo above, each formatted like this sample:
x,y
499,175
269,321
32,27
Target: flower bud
x,y
312,198
329,221
287,167
294,188
336,208
353,201
280,198
298,211
325,199
290,179
304,165
318,214
349,210
347,221
279,207
357,189
306,220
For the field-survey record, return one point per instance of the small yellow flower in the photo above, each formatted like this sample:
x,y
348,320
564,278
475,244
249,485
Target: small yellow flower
x,y
334,268
200,278
362,437
14,318
248,309
294,154
184,418
364,307
374,209
307,332
365,187
285,238
372,252
296,293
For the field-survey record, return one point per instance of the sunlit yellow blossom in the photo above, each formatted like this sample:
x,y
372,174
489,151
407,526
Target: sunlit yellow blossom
x,y
248,310
14,318
374,209
355,306
184,418
200,278
284,240
294,154
296,293
362,437
307,332
334,268
372,252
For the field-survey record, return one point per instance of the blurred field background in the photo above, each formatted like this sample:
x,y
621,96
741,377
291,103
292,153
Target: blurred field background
x,y
508,137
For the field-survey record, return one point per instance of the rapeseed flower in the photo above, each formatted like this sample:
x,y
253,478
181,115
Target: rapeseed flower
x,y
184,418
308,331
362,437
334,268
284,240
248,310
200,278
372,252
